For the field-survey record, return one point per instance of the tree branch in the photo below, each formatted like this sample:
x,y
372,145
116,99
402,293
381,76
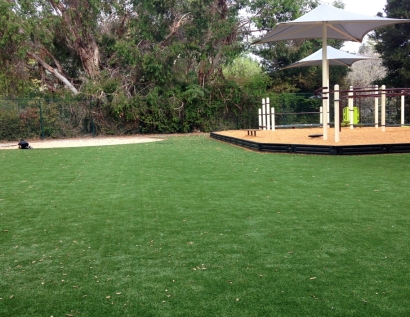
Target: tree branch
x,y
54,72
175,26
59,67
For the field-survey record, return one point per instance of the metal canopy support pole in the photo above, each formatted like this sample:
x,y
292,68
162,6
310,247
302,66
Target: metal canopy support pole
x,y
383,123
337,114
325,80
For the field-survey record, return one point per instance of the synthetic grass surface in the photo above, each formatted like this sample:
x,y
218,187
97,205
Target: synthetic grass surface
x,y
194,227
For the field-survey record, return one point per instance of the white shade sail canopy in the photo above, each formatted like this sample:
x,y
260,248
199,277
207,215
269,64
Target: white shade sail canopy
x,y
335,57
341,25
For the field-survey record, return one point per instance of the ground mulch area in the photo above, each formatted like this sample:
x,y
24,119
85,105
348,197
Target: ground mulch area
x,y
347,136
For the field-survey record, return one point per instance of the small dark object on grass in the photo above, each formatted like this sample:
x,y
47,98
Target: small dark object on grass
x,y
23,144
315,135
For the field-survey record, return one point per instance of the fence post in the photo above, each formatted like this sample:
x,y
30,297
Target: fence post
x,y
41,119
92,118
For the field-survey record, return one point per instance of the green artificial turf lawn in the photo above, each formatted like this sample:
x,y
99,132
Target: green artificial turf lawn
x,y
194,227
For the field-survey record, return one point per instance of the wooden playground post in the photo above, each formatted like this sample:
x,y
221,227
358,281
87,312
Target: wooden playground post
x,y
383,100
376,107
337,114
402,110
263,114
351,110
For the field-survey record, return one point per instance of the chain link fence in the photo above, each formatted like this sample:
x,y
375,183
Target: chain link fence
x,y
366,110
43,118
290,109
53,118
304,110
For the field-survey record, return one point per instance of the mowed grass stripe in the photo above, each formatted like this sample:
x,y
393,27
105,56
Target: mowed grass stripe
x,y
194,227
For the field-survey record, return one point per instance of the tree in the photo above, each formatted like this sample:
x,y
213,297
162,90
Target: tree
x,y
365,73
47,30
14,69
78,22
392,43
155,65
248,74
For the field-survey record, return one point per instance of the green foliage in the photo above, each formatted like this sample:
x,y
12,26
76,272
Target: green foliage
x,y
292,103
393,46
19,119
35,118
271,12
14,79
10,125
248,74
150,66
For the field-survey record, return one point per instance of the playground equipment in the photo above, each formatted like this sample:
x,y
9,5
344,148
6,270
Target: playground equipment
x,y
350,114
366,93
347,113
266,116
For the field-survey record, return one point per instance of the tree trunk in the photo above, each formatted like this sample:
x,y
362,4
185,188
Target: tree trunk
x,y
89,54
78,34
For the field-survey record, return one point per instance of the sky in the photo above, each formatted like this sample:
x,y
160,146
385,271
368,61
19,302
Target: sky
x,y
366,7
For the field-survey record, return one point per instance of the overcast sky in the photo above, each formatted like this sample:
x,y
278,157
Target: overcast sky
x,y
367,7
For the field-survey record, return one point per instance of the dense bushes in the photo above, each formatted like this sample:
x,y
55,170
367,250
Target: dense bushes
x,y
35,118
190,110
193,108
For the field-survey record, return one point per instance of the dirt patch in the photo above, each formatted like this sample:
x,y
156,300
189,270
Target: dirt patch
x,y
81,142
348,136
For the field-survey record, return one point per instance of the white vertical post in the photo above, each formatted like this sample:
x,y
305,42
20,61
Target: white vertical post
x,y
325,79
267,114
260,116
383,100
337,114
402,110
376,107
273,118
321,115
263,114
351,111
